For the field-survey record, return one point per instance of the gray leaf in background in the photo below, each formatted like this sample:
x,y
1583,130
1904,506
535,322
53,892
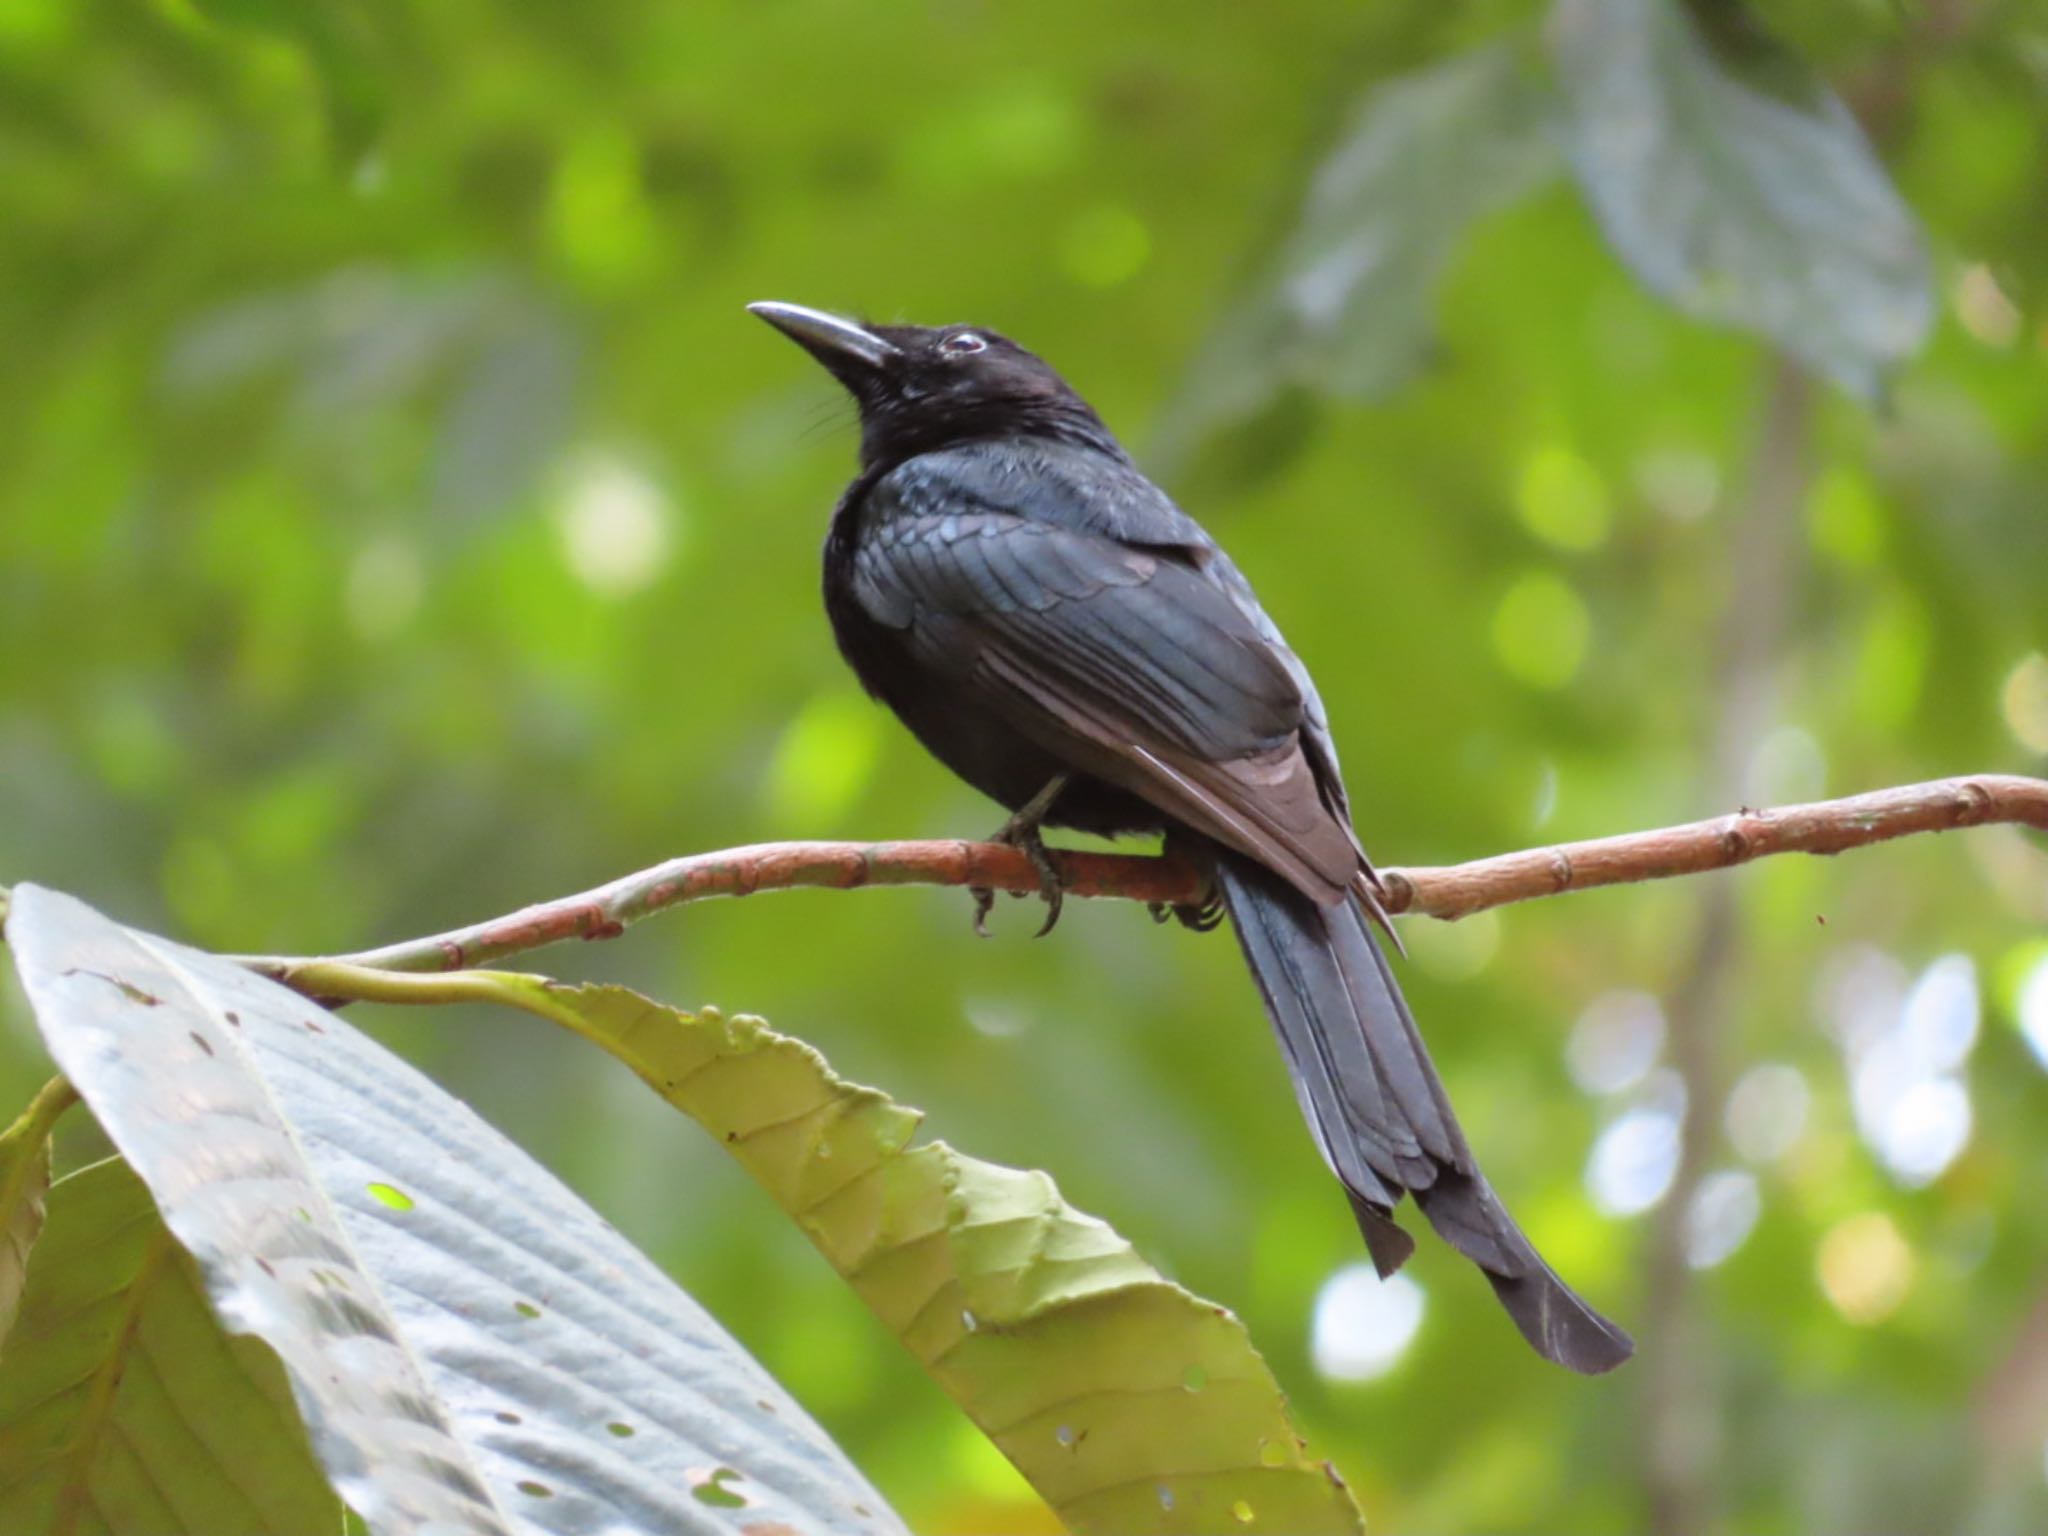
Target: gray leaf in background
x,y
342,363
473,1349
1736,185
508,415
1344,306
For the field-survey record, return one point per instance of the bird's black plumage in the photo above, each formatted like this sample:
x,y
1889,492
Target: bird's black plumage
x,y
1005,579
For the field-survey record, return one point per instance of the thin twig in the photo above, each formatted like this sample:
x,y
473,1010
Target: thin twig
x,y
1458,890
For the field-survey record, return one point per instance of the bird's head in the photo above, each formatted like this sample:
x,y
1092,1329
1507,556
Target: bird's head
x,y
922,387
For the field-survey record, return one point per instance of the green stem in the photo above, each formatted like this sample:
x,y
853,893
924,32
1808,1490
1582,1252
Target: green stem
x,y
33,1126
341,981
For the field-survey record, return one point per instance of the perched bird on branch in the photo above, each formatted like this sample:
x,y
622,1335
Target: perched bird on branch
x,y
1062,636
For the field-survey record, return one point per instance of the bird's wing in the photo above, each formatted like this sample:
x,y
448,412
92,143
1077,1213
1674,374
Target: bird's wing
x,y
1317,744
1079,489
1128,663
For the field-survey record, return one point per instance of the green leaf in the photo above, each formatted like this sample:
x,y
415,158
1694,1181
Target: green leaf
x,y
1737,186
472,1348
124,1407
1130,1404
24,1180
1344,307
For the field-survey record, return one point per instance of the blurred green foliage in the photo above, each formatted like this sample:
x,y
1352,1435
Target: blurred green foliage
x,y
400,519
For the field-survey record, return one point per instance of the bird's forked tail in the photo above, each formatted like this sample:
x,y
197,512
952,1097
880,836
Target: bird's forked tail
x,y
1378,1111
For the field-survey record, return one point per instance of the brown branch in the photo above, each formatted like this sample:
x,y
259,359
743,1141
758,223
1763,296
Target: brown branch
x,y
1453,891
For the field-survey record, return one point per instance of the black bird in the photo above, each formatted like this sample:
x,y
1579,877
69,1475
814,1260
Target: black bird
x,y
1062,636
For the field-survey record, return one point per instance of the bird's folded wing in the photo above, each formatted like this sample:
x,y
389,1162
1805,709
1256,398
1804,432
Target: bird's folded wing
x,y
1125,661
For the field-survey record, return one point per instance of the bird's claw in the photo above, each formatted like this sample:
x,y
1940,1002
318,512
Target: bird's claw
x,y
1021,832
1051,887
1201,916
1197,916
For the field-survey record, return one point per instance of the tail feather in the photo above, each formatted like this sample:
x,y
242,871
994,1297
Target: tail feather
x,y
1378,1111
1389,1246
1366,1145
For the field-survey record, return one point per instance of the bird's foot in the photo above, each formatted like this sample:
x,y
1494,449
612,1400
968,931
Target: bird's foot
x,y
1050,886
1198,916
1021,832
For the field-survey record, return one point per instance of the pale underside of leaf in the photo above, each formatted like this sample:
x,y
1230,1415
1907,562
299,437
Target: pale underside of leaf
x,y
124,1407
473,1349
1131,1405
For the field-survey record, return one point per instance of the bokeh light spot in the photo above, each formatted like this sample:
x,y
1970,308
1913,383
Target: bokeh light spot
x,y
1928,1130
1104,246
1843,519
1787,767
1000,1016
2033,1010
1455,951
384,586
1721,1216
1616,1041
616,525
1865,1268
1541,631
1363,1324
1634,1161
1858,993
1767,1111
1891,661
25,23
1002,131
1682,486
2024,700
1942,1011
598,216
1910,1107
1984,308
825,760
1563,500
1543,804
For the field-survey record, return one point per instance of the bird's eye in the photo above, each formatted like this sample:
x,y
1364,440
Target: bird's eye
x,y
963,343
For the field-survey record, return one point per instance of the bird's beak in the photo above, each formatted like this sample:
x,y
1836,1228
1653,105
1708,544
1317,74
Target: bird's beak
x,y
832,341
